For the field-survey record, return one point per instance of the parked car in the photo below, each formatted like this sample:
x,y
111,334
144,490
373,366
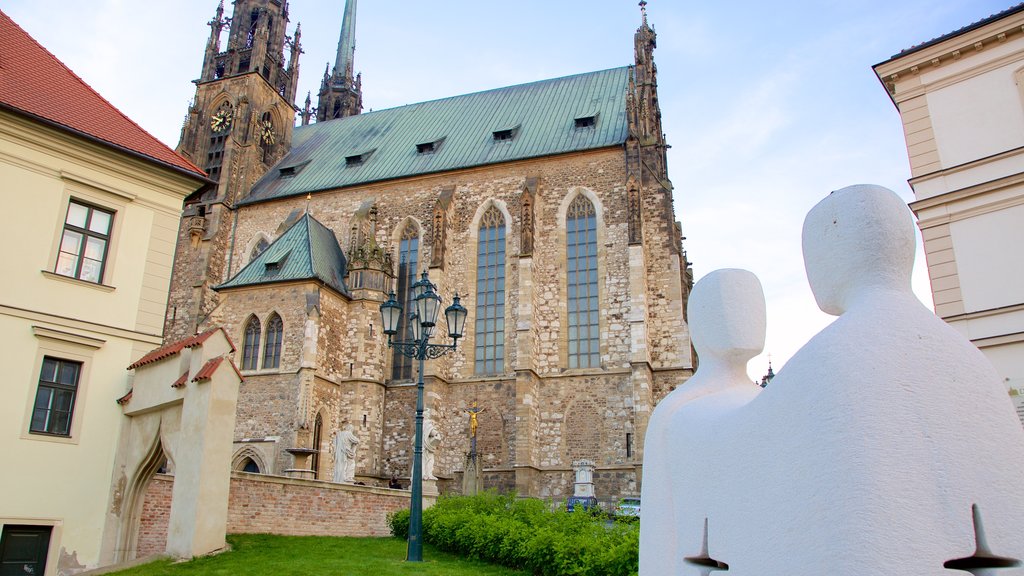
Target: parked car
x,y
628,507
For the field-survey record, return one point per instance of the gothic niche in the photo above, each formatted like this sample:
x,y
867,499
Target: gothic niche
x,y
526,223
440,227
633,197
370,266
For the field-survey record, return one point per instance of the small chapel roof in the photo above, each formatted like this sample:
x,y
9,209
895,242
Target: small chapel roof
x,y
568,114
308,250
35,83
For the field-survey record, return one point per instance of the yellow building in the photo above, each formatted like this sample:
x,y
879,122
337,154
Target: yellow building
x,y
961,99
92,205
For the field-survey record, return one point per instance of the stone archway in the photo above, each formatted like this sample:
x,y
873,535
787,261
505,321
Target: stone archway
x,y
182,406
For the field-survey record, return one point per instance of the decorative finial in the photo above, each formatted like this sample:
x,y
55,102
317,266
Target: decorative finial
x,y
309,196
643,11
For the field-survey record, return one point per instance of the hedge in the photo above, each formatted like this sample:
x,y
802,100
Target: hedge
x,y
525,534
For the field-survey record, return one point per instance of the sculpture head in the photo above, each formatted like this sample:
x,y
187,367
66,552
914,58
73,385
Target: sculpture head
x,y
727,315
856,239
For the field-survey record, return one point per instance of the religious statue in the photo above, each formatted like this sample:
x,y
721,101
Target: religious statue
x,y
473,424
431,440
345,442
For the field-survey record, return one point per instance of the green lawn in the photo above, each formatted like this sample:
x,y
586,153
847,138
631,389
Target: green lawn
x,y
259,555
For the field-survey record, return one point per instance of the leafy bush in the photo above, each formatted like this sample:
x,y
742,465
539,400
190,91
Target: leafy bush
x,y
525,534
398,522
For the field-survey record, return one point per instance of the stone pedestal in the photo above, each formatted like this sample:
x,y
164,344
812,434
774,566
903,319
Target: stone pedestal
x,y
471,479
583,489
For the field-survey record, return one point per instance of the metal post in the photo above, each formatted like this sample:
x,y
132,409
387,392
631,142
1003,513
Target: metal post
x,y
415,553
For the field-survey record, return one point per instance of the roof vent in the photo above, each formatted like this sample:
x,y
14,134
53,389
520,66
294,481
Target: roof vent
x,y
429,147
504,135
274,263
290,171
586,121
358,159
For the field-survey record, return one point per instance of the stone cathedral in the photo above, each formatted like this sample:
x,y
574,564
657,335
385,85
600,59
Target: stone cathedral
x,y
546,206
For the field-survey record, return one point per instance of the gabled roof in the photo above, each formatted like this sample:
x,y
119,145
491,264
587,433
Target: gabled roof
x,y
37,84
173,348
308,250
541,117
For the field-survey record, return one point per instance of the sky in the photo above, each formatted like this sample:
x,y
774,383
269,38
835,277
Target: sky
x,y
768,106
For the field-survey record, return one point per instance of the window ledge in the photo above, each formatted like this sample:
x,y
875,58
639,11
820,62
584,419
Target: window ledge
x,y
47,437
77,282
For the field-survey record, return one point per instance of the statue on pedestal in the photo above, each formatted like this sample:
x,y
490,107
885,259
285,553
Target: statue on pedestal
x,y
345,442
431,440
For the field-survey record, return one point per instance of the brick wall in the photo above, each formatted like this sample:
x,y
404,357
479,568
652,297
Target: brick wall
x,y
260,504
275,505
156,514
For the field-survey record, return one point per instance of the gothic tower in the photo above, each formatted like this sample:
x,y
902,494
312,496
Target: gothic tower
x,y
239,124
341,93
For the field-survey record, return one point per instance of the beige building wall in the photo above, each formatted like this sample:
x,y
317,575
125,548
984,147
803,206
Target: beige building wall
x,y
961,100
55,479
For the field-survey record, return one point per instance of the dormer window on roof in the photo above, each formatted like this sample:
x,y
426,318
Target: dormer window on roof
x,y
429,147
503,135
588,121
290,171
274,263
358,159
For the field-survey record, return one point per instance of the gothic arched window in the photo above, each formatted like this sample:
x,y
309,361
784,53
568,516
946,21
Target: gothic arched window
x,y
258,249
408,260
490,294
251,348
581,254
318,432
272,348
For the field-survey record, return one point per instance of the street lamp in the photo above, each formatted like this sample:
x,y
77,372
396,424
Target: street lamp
x,y
427,305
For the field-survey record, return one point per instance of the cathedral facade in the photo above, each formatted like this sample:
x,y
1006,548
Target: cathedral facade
x,y
546,206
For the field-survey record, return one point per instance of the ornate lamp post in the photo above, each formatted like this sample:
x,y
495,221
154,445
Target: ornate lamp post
x,y
423,319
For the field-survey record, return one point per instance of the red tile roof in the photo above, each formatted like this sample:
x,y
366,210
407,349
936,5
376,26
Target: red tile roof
x,y
206,372
181,381
36,83
173,348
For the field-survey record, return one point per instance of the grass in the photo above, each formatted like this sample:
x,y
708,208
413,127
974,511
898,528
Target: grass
x,y
267,555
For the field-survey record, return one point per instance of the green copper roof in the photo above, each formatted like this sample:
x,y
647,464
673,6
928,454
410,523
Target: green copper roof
x,y
306,251
540,118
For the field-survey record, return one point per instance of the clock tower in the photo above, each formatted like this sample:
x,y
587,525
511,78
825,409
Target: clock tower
x,y
239,124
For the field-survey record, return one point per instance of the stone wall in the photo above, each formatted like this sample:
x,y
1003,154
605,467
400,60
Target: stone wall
x,y
260,504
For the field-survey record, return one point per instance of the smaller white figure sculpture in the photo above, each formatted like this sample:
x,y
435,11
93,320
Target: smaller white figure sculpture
x,y
345,442
727,325
431,440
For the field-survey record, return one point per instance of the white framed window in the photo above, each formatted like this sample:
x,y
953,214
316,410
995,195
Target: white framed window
x,y
85,242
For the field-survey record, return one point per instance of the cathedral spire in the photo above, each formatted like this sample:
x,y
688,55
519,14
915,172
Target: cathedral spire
x,y
343,65
341,91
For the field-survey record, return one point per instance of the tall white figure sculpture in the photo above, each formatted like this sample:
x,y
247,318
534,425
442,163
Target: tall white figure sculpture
x,y
886,445
727,324
431,440
345,442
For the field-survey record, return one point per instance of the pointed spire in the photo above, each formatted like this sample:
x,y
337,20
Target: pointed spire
x,y
343,66
643,11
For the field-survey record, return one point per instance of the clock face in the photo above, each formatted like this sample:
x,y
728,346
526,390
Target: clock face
x,y
221,119
267,132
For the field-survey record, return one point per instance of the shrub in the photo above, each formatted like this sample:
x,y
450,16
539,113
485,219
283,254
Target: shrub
x,y
398,522
525,534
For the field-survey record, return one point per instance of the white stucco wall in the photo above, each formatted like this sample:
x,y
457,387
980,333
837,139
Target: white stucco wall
x,y
989,251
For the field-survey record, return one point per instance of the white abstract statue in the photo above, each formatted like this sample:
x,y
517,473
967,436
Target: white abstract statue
x,y
431,440
345,442
886,445
727,324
